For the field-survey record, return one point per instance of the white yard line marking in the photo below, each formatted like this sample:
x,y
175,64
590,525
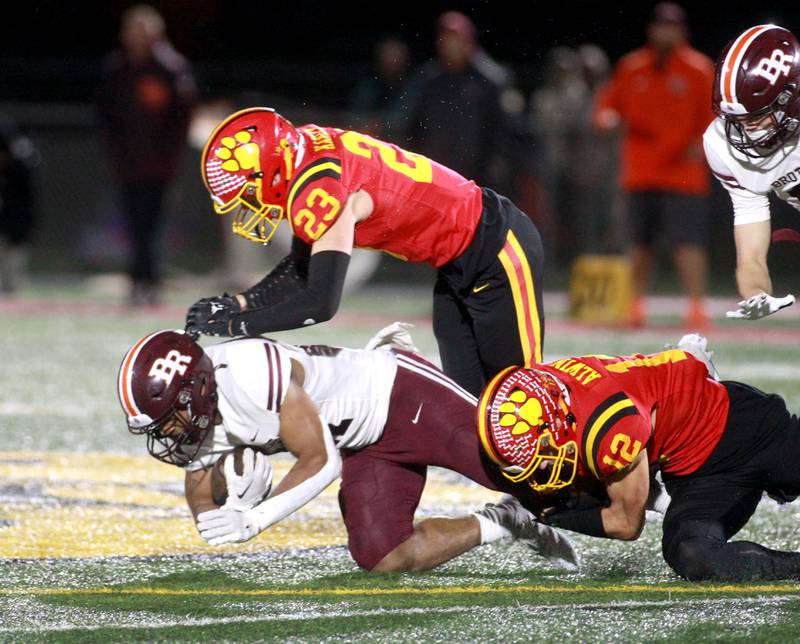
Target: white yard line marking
x,y
304,615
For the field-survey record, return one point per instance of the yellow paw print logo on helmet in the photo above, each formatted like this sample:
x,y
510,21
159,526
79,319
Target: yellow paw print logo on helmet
x,y
522,412
238,152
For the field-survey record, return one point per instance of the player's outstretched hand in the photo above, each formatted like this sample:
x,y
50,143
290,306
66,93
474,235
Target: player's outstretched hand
x,y
249,488
226,525
396,334
212,315
760,305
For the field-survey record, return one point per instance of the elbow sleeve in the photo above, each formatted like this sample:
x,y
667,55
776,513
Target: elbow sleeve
x,y
301,302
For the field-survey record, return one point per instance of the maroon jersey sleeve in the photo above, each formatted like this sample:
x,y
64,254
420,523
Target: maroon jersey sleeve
x,y
614,434
316,198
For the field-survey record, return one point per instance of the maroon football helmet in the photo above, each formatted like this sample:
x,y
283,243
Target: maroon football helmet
x,y
165,373
757,89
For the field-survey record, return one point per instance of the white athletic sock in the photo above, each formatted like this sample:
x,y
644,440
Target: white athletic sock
x,y
490,531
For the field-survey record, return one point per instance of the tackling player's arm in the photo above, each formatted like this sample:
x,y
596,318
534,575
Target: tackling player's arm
x,y
306,436
618,516
627,491
311,286
318,299
612,449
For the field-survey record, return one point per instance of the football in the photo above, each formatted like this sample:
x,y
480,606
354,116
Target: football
x,y
219,486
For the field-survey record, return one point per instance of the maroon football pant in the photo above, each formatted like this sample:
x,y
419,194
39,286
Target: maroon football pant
x,y
432,421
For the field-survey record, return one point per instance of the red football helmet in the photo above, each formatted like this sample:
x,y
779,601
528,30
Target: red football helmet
x,y
247,163
526,427
757,89
163,374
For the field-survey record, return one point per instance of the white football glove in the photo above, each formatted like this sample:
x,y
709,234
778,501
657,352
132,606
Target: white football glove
x,y
697,345
227,525
396,334
760,305
254,483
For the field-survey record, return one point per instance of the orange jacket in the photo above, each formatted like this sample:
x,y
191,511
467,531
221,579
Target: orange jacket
x,y
663,112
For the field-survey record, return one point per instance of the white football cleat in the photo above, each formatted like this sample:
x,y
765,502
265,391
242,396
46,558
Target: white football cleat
x,y
525,528
697,345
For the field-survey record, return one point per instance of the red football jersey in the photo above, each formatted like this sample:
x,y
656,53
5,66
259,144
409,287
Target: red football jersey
x,y
664,402
423,212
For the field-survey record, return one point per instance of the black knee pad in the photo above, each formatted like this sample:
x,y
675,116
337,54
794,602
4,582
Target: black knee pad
x,y
691,549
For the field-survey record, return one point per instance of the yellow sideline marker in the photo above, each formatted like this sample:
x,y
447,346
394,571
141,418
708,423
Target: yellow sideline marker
x,y
790,589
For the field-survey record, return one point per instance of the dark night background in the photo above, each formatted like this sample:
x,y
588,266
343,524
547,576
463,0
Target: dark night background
x,y
50,50
303,58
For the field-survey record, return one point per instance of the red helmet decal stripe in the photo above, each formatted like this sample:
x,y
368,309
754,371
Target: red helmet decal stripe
x,y
734,59
126,375
484,425
222,182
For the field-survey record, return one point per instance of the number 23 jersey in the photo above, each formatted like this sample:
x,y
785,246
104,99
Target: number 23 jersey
x,y
422,211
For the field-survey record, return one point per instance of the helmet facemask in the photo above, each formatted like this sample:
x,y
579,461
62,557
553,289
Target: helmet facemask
x,y
760,134
552,467
253,220
176,437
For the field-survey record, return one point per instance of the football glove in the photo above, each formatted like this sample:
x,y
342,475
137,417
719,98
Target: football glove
x,y
227,525
249,488
760,305
212,315
396,334
697,345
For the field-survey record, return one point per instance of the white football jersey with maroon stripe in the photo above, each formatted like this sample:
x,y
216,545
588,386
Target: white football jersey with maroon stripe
x,y
350,387
749,181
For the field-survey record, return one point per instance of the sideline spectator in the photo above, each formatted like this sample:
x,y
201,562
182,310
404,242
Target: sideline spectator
x,y
377,101
660,95
555,112
144,103
18,162
457,115
596,154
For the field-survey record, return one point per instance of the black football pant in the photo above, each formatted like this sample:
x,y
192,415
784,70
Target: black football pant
x,y
496,319
759,452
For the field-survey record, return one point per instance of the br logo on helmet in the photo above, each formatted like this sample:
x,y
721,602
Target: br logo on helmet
x,y
166,368
772,68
